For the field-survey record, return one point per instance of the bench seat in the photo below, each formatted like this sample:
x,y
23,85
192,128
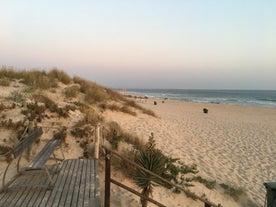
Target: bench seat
x,y
42,157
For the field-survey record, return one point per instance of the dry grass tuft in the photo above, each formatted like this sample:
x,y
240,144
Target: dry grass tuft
x,y
60,76
131,103
71,91
93,92
5,82
116,107
38,79
92,117
114,134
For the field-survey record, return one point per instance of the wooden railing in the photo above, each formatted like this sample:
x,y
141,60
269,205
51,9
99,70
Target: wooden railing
x,y
109,153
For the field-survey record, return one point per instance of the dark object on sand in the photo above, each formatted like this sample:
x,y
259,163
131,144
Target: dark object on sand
x,y
205,111
163,101
155,103
270,194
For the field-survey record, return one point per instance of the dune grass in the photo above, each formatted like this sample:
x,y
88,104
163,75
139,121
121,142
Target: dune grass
x,y
233,191
93,93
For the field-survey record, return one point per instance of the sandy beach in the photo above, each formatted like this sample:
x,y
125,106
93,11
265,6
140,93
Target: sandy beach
x,y
231,144
234,145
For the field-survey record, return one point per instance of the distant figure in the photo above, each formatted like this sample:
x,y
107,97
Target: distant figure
x,y
205,111
155,103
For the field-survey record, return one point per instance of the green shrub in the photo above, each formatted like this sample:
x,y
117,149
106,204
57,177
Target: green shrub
x,y
34,111
115,141
234,192
17,97
207,183
80,131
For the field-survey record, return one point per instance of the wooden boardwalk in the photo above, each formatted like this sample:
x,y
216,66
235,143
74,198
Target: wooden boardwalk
x,y
76,184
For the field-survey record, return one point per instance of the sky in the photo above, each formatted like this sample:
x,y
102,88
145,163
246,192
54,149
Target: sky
x,y
176,44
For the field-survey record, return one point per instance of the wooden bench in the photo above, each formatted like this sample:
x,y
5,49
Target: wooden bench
x,y
38,163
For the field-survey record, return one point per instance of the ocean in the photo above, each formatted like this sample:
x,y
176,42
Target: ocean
x,y
262,98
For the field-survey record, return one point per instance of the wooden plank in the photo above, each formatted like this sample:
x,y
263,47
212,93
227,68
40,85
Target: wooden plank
x,y
97,197
26,142
42,157
77,185
40,193
20,196
97,182
87,188
82,183
29,191
63,175
44,195
4,198
73,188
68,187
41,179
16,194
63,189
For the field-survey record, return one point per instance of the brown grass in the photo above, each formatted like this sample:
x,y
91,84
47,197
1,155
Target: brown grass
x,y
114,133
59,75
117,107
131,103
92,117
5,82
71,91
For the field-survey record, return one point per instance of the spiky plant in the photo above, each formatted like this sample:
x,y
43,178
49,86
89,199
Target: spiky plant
x,y
151,159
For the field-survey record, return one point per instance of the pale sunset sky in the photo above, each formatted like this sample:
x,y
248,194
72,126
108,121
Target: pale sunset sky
x,y
184,44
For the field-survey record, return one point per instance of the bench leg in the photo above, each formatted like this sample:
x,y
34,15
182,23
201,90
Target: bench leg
x,y
57,168
49,176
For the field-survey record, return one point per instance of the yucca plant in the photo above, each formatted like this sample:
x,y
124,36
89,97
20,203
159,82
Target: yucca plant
x,y
151,159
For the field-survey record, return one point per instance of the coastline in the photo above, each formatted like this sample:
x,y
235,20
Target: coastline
x,y
231,144
260,98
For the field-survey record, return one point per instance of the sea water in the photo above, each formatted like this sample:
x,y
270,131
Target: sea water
x,y
263,98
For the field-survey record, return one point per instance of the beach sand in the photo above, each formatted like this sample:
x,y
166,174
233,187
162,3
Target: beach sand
x,y
234,145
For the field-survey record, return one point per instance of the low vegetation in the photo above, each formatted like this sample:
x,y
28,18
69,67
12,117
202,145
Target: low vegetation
x,y
210,184
5,82
235,192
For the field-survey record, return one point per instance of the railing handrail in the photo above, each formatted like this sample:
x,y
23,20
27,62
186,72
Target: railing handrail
x,y
186,191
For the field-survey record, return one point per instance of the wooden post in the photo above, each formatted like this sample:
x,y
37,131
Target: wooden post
x,y
107,179
97,143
